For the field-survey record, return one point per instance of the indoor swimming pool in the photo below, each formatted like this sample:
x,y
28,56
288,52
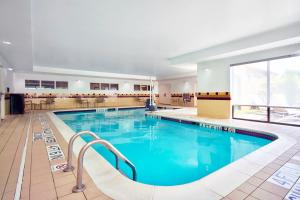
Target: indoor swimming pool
x,y
164,152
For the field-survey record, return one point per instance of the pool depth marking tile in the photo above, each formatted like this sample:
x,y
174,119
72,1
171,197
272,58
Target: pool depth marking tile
x,y
294,193
55,152
38,136
58,167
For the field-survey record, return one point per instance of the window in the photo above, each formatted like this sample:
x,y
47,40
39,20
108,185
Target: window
x,y
61,85
95,86
285,82
47,84
114,86
267,91
250,84
144,87
32,83
141,87
104,86
137,87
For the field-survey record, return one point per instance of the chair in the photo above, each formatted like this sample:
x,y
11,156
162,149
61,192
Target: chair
x,y
28,105
49,102
139,100
100,100
82,102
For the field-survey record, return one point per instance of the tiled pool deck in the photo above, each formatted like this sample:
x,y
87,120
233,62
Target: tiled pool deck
x,y
39,182
268,173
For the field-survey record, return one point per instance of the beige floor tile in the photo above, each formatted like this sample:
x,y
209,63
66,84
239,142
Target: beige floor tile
x,y
59,181
269,170
8,195
73,196
262,175
264,195
102,197
92,192
255,181
275,189
247,188
279,162
250,198
237,195
284,158
274,166
41,179
64,189
46,194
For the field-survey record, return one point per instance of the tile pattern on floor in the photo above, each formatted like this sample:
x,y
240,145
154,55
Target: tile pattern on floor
x,y
11,147
278,180
39,181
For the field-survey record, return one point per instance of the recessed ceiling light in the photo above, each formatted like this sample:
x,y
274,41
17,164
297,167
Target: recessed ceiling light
x,y
6,42
10,69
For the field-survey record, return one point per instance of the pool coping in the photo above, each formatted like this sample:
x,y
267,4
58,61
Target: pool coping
x,y
213,186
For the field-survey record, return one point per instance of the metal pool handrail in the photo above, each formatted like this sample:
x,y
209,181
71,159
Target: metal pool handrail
x,y
70,148
79,187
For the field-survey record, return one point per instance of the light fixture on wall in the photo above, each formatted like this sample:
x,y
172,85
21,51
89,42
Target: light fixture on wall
x,y
10,69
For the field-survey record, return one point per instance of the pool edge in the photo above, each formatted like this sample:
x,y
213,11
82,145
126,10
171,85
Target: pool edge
x,y
207,186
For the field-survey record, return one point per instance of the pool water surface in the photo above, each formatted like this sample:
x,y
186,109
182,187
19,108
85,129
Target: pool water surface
x,y
164,152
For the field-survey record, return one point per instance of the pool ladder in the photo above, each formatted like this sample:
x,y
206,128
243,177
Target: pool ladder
x,y
79,187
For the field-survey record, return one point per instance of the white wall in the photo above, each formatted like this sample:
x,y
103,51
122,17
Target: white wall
x,y
77,84
181,85
2,102
164,91
214,76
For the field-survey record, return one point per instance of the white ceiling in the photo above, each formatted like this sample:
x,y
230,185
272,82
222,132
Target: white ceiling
x,y
129,36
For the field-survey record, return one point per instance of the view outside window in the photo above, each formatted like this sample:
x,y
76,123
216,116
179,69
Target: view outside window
x,y
285,90
249,89
250,84
285,82
273,85
94,86
137,87
104,86
47,84
33,84
114,86
62,84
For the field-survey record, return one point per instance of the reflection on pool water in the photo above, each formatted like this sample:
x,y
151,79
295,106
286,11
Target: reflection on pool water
x,y
163,152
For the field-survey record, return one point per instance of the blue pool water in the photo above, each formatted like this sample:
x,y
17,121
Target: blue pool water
x,y
164,152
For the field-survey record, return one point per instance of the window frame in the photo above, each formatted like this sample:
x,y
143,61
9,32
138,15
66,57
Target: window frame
x,y
114,84
97,88
45,87
62,88
107,86
36,87
268,106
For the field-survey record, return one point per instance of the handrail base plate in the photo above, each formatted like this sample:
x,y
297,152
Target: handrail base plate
x,y
68,169
78,189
